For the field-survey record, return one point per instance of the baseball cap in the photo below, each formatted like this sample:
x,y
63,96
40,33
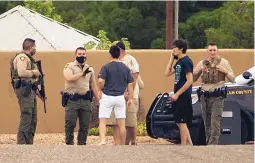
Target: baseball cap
x,y
121,45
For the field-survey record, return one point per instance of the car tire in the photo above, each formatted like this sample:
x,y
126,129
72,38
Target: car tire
x,y
244,131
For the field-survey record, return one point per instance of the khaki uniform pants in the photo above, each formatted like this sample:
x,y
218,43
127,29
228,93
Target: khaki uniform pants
x,y
212,109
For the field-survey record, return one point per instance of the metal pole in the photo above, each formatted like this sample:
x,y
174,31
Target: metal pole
x,y
176,16
169,24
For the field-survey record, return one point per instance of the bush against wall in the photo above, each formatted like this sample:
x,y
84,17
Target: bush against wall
x,y
104,42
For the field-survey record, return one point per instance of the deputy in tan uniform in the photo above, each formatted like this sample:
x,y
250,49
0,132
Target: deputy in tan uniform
x,y
215,71
131,116
24,74
77,96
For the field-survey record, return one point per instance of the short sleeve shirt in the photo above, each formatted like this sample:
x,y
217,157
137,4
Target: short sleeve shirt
x,y
23,65
133,65
117,76
81,85
182,67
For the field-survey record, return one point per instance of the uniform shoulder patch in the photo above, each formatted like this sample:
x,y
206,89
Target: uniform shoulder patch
x,y
66,65
69,64
22,58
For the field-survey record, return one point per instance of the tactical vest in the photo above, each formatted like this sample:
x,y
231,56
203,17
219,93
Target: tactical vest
x,y
210,74
14,72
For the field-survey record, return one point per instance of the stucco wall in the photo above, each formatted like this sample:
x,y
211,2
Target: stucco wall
x,y
152,67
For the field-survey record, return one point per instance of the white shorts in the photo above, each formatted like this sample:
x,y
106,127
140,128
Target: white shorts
x,y
109,103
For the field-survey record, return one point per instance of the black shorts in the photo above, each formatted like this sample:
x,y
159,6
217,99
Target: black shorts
x,y
183,110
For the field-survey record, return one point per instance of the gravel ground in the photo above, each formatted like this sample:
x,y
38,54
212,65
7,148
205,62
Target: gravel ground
x,y
50,148
58,139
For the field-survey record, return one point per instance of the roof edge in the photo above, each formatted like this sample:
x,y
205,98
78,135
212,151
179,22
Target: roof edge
x,y
10,11
19,7
67,26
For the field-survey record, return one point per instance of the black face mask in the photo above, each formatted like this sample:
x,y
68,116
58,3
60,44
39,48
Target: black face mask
x,y
81,59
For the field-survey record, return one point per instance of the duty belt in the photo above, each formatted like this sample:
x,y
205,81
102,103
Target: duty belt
x,y
76,96
22,83
219,92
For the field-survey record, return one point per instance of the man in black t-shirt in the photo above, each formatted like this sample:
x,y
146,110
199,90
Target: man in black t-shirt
x,y
181,99
114,78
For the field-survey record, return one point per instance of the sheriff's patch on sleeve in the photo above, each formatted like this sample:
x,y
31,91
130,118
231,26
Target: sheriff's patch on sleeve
x,y
22,58
66,65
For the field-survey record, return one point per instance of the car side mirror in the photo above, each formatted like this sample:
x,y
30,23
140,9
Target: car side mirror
x,y
247,75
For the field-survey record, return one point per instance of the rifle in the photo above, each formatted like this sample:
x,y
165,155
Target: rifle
x,y
41,83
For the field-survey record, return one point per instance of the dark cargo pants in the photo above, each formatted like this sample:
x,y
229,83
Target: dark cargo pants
x,y
212,109
77,109
28,116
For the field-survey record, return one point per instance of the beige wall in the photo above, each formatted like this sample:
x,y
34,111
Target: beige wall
x,y
152,67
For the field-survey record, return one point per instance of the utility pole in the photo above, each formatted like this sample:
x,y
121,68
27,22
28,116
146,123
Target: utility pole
x,y
169,24
176,16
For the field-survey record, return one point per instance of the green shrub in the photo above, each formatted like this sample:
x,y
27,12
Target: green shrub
x,y
104,42
94,132
141,130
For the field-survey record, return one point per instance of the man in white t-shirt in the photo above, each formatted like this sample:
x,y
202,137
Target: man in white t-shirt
x,y
131,116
